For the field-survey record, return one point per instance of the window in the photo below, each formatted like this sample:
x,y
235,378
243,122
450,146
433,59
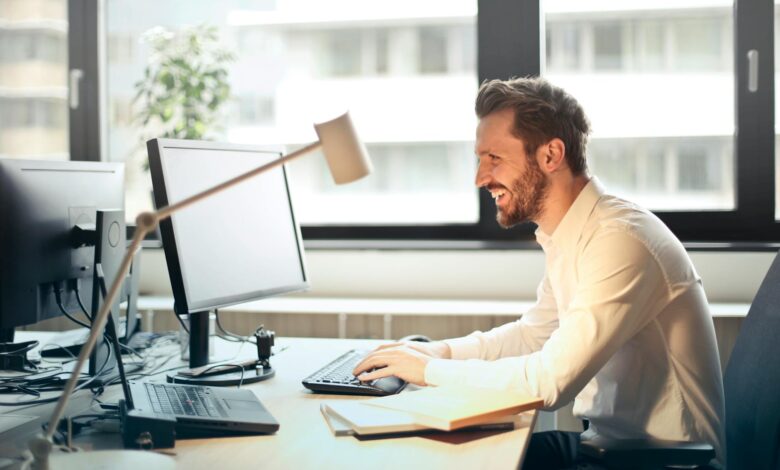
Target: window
x,y
699,42
650,45
343,53
407,73
660,77
563,46
33,83
121,47
607,46
433,50
676,126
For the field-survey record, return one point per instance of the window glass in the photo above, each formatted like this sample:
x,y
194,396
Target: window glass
x,y
608,45
33,79
657,81
433,49
406,71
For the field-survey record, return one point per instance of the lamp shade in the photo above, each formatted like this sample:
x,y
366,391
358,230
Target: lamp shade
x,y
346,155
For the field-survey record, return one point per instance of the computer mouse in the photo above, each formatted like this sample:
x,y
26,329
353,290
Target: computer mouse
x,y
421,338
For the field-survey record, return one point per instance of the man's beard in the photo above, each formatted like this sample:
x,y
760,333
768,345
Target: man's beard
x,y
528,194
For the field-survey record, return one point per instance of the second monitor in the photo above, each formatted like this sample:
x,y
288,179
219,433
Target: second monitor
x,y
240,245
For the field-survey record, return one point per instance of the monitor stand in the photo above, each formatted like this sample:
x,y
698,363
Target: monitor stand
x,y
240,374
6,335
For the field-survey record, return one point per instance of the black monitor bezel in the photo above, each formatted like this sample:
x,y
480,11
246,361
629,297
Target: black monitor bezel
x,y
156,151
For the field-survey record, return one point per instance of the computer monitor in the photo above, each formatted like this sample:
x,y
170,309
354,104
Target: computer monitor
x,y
40,204
239,245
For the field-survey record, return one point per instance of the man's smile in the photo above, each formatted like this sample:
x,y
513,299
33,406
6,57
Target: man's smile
x,y
500,195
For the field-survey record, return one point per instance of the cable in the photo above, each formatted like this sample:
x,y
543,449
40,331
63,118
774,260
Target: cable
x,y
228,336
45,347
53,399
65,312
4,378
151,358
23,384
81,303
23,349
70,426
236,366
181,322
53,382
131,351
58,296
57,292
156,357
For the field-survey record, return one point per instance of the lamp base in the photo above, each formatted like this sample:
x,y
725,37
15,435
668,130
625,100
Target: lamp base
x,y
42,457
111,460
224,379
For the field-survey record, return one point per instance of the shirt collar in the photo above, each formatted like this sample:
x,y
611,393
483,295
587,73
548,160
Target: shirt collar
x,y
570,227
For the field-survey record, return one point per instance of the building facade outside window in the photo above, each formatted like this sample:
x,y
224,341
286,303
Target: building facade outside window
x,y
657,81
33,79
407,73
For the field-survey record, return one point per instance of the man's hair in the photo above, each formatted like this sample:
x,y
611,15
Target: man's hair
x,y
542,112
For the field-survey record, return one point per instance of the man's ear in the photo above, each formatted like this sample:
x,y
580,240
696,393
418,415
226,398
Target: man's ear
x,y
552,155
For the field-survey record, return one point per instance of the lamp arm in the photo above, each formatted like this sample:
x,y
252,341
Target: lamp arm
x,y
98,324
145,224
166,211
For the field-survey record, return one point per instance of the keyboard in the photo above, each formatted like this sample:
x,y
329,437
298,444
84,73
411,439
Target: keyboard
x,y
336,377
183,400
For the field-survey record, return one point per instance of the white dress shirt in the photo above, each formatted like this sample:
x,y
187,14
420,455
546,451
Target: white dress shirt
x,y
621,325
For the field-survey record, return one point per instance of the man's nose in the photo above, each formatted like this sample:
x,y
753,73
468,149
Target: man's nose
x,y
483,175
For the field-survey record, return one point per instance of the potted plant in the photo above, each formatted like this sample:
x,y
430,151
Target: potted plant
x,y
184,84
181,95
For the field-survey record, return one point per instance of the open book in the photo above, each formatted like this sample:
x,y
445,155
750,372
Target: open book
x,y
349,417
451,407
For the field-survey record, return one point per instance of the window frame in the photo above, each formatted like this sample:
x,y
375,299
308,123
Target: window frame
x,y
85,128
510,43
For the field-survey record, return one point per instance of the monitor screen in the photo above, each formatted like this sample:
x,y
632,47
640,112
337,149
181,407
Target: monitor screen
x,y
241,244
40,203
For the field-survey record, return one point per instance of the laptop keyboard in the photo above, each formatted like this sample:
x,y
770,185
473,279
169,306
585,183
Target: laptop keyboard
x,y
336,377
183,400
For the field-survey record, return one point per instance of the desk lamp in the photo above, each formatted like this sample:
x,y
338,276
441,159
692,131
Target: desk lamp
x,y
347,160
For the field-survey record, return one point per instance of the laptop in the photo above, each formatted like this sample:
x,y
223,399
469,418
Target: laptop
x,y
192,411
201,411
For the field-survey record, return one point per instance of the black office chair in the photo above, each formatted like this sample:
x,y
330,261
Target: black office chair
x,y
752,392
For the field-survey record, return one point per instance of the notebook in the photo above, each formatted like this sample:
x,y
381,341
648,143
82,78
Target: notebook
x,y
450,407
350,417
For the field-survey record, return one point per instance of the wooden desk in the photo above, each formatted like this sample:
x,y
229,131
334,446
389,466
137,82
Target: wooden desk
x,y
304,440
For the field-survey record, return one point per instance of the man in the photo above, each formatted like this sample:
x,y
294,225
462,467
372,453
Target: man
x,y
621,322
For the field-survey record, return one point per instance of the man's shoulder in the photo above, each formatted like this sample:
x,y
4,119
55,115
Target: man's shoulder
x,y
619,222
620,214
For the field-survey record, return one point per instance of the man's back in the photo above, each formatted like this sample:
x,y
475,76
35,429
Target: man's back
x,y
665,381
621,326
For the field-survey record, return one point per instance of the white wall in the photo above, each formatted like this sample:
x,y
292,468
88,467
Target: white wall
x,y
510,275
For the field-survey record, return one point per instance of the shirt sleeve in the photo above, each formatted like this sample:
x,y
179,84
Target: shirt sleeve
x,y
620,288
516,338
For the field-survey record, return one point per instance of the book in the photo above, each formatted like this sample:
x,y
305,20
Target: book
x,y
453,407
337,425
365,420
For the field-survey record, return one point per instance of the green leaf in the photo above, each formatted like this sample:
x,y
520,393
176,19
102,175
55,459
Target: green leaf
x,y
181,93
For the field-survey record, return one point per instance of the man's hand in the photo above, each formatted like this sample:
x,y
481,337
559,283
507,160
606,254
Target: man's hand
x,y
407,361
